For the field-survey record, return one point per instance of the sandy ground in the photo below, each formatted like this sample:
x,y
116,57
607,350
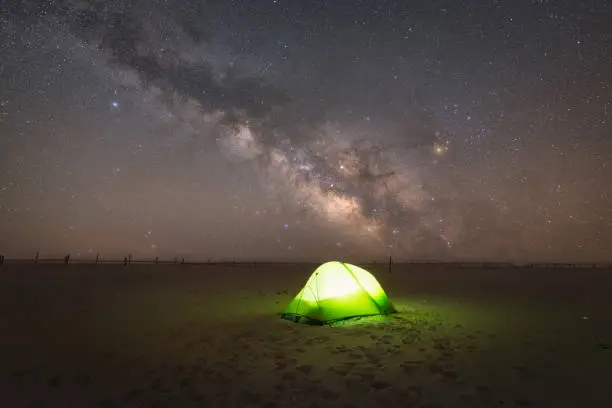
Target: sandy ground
x,y
150,336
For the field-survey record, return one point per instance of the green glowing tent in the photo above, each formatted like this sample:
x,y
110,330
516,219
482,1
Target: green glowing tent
x,y
337,291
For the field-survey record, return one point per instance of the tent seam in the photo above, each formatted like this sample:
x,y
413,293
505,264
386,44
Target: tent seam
x,y
361,286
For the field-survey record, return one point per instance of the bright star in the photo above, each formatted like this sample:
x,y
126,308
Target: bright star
x,y
440,148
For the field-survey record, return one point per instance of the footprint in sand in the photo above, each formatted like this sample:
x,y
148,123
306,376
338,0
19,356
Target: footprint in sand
x,y
186,383
353,383
409,339
273,339
132,396
387,339
410,366
36,404
280,365
430,405
373,358
81,379
445,371
342,371
242,372
249,397
55,381
483,390
17,377
305,369
378,385
247,334
411,396
291,361
450,375
524,373
157,385
442,343
289,376
339,349
467,397
392,351
195,369
366,376
200,399
327,394
104,403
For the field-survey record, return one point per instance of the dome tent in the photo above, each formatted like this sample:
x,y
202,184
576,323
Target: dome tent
x,y
337,291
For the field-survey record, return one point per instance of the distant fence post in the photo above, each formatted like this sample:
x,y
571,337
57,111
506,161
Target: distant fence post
x,y
1,260
390,263
156,260
97,258
125,261
37,256
183,261
67,259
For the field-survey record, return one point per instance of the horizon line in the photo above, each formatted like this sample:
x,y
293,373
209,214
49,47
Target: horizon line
x,y
183,261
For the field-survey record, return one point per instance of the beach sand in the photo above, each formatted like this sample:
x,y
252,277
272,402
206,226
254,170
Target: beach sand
x,y
211,336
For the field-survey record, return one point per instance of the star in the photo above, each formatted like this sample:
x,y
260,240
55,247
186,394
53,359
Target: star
x,y
361,124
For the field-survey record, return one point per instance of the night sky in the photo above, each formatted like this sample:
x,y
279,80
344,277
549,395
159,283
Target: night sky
x,y
307,130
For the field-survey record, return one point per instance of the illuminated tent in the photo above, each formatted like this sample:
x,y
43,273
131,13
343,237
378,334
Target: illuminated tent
x,y
337,291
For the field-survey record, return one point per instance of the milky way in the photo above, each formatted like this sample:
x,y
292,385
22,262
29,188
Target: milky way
x,y
429,131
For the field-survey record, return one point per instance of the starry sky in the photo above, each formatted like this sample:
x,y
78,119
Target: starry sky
x,y
307,130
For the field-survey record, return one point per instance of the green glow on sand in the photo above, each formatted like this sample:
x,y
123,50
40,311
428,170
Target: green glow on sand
x,y
335,291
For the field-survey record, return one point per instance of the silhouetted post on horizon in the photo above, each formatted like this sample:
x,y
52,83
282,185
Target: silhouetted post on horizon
x,y
156,260
37,256
1,260
67,259
390,263
97,258
125,261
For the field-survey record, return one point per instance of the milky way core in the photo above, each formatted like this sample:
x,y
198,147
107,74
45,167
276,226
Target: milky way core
x,y
306,130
